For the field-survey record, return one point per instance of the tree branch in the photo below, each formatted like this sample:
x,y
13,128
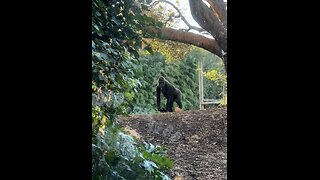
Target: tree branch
x,y
219,6
180,14
208,21
185,37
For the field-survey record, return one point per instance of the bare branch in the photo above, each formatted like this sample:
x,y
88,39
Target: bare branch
x,y
170,18
180,14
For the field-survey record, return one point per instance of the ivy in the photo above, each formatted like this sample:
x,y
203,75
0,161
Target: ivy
x,y
116,38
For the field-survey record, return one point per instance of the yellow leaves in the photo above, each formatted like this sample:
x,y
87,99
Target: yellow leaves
x,y
212,75
218,77
157,13
174,51
102,125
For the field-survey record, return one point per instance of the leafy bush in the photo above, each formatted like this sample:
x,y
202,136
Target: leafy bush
x,y
183,74
117,156
115,41
214,78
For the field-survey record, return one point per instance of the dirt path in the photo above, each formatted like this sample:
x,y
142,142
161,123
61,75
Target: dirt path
x,y
196,140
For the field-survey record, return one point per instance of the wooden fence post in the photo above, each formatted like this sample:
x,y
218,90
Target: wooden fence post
x,y
200,85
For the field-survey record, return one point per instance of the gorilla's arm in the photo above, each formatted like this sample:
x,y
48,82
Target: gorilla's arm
x,y
158,97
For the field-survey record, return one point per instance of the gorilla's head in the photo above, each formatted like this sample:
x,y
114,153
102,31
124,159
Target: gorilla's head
x,y
162,82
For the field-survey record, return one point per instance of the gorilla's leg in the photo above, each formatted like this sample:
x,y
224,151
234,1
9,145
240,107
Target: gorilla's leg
x,y
169,105
178,101
162,110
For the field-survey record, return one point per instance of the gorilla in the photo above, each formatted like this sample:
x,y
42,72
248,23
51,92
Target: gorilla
x,y
170,92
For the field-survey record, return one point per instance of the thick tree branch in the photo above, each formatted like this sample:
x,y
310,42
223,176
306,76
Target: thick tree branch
x,y
219,6
206,18
180,15
212,19
185,37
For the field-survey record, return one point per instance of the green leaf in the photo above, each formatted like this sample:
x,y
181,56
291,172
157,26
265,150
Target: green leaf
x,y
115,20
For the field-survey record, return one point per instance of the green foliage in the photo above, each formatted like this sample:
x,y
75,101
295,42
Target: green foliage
x,y
214,74
182,74
114,55
116,37
157,154
214,70
116,156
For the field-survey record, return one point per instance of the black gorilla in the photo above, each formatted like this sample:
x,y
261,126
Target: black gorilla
x,y
170,92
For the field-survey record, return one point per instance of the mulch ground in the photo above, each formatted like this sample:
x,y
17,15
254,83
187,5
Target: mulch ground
x,y
196,140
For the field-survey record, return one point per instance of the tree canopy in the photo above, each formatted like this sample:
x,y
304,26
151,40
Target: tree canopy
x,y
211,15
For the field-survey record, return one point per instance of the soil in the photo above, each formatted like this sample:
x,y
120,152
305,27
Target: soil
x,y
196,140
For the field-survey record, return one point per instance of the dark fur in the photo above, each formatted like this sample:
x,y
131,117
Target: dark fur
x,y
170,92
